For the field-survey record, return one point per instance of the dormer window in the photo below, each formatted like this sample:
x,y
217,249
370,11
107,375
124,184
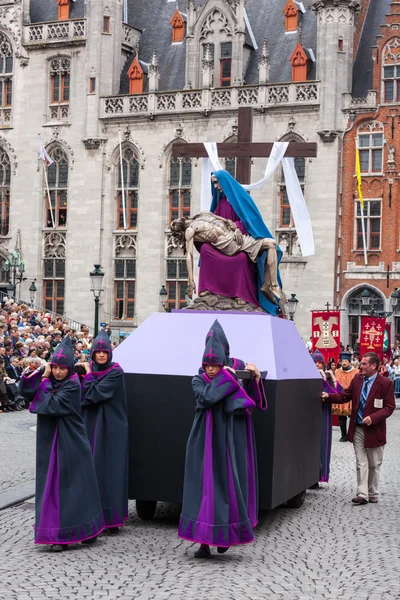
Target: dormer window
x,y
291,13
299,60
136,78
63,10
226,64
178,27
391,71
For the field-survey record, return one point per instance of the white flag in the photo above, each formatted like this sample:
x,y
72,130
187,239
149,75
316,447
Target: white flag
x,y
43,154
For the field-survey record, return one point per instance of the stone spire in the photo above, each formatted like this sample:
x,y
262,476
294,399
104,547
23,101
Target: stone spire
x,y
263,63
154,72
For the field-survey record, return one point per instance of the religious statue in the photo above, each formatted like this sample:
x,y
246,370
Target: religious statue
x,y
238,256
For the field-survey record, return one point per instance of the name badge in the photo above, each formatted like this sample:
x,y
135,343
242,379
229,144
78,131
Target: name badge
x,y
378,403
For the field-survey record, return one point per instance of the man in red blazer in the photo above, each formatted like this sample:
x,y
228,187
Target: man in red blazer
x,y
372,397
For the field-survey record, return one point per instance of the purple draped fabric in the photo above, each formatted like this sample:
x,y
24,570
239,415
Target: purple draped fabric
x,y
232,276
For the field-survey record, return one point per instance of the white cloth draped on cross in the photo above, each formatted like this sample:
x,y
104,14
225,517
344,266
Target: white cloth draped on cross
x,y
294,192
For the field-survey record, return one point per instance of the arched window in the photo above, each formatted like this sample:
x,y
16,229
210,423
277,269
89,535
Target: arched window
x,y
60,81
128,189
180,184
216,32
57,175
370,144
5,179
391,71
357,308
6,74
54,271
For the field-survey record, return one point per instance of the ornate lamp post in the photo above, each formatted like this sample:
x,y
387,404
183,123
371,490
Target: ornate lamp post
x,y
32,292
292,302
15,270
96,286
163,297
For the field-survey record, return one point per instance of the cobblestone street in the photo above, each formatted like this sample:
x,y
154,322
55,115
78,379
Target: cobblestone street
x,y
328,549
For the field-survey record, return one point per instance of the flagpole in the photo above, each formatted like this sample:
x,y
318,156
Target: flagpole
x,y
48,194
363,234
361,199
122,181
43,155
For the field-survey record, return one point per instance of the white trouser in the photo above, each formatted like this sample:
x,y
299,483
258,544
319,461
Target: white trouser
x,y
368,462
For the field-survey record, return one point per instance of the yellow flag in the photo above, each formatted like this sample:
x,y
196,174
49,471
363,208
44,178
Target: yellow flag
x,y
359,180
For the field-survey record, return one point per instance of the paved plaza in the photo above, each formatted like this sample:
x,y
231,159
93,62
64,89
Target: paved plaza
x,y
328,549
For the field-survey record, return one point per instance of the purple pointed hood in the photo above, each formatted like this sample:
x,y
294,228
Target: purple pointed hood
x,y
214,353
63,355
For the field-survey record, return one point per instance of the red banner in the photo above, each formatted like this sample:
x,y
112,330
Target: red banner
x,y
387,342
372,335
325,328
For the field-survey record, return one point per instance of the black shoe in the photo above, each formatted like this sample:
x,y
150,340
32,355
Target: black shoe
x,y
343,438
316,486
203,552
90,541
359,500
221,550
113,530
58,547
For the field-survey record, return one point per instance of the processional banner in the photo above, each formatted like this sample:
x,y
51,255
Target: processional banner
x,y
387,342
325,330
372,335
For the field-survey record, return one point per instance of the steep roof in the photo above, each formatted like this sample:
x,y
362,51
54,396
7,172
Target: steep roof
x,y
47,10
363,65
266,20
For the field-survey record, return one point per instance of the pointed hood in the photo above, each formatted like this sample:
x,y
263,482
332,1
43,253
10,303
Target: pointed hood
x,y
216,329
318,357
101,344
64,355
214,353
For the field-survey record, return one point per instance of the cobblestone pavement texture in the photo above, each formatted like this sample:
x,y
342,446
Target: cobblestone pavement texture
x,y
326,550
17,449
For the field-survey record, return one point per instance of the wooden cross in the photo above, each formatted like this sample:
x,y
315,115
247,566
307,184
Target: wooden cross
x,y
244,149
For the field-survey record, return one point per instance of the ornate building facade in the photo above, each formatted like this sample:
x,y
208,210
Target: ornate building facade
x,y
374,128
103,79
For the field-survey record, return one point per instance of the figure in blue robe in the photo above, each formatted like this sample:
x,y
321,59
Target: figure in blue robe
x,y
215,498
248,213
105,415
68,507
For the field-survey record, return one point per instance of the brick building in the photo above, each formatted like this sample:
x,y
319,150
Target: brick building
x,y
374,126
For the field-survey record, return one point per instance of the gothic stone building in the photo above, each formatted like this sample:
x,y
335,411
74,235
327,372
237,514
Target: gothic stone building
x,y
373,127
85,74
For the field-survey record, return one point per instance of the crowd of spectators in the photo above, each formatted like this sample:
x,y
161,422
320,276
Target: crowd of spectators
x,y
28,339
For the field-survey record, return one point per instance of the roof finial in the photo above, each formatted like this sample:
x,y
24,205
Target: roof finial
x,y
154,59
137,45
300,28
264,56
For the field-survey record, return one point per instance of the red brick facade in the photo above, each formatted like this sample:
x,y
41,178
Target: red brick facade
x,y
377,134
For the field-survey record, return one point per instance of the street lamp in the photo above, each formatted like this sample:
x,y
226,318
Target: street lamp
x,y
32,292
10,290
365,297
292,303
395,300
96,286
11,266
163,297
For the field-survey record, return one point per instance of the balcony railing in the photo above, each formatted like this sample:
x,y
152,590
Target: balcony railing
x,y
55,33
260,96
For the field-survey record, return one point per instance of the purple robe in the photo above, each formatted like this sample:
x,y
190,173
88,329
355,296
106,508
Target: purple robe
x,y
216,496
231,276
326,433
67,506
104,414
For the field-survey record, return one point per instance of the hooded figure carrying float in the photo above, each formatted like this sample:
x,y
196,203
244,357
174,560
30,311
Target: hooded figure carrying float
x,y
105,417
220,486
68,507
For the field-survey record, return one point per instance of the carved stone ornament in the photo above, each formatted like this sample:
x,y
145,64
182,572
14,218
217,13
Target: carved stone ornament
x,y
328,135
223,24
93,143
55,244
125,245
320,4
11,153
